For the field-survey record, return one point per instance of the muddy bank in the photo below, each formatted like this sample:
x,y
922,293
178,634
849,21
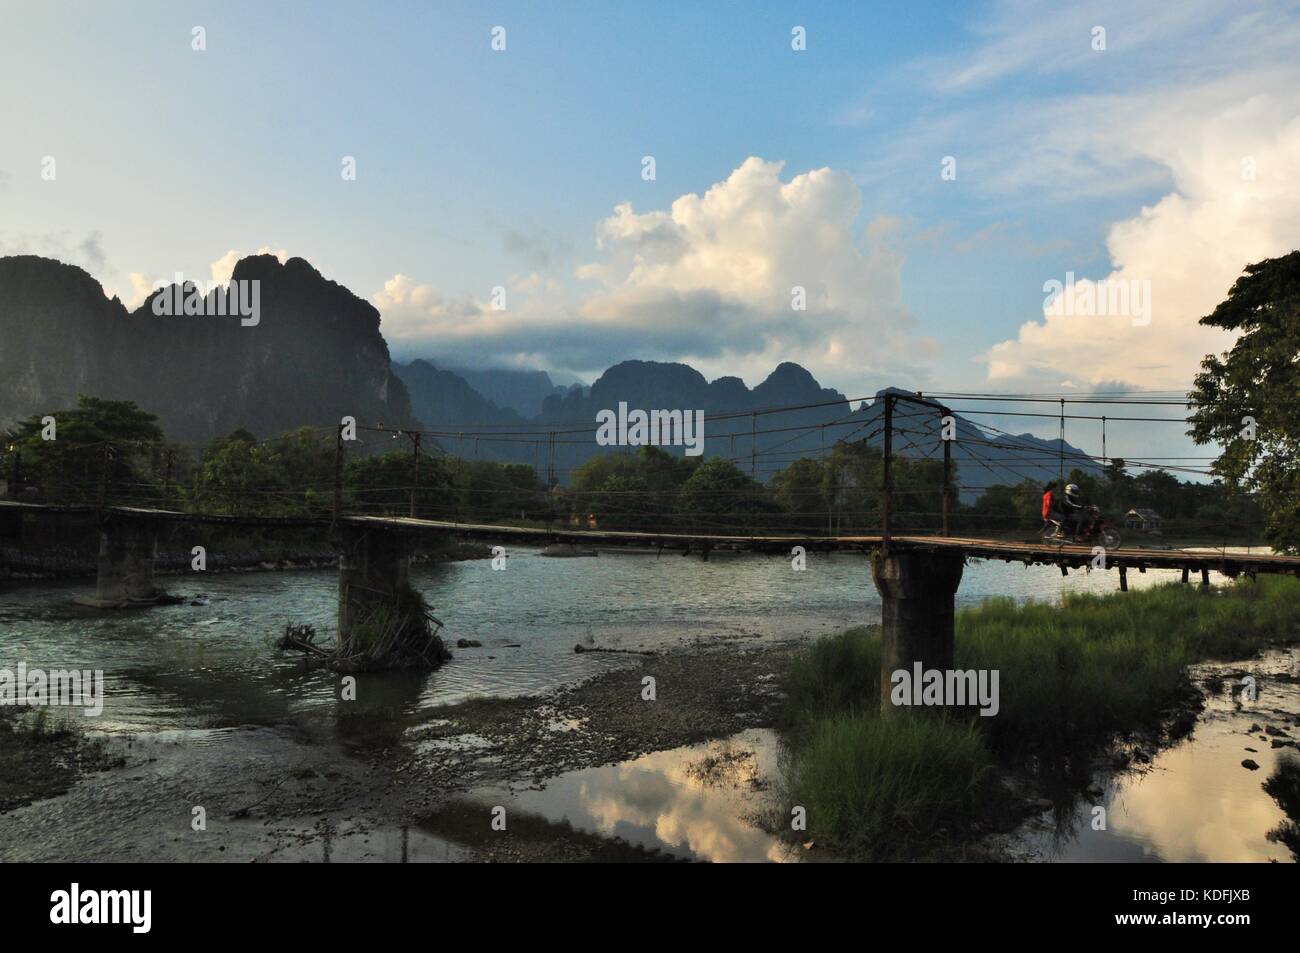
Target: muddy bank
x,y
39,760
373,787
699,694
239,795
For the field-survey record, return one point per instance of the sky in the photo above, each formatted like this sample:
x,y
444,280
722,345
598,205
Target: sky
x,y
919,174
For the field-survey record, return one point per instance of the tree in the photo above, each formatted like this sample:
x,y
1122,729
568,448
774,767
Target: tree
x,y
798,489
487,490
108,442
1247,399
718,496
629,491
239,475
381,483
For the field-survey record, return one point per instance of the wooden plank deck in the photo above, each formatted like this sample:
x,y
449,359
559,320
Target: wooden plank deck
x,y
1029,552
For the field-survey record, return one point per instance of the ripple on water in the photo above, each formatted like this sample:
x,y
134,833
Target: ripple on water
x,y
206,666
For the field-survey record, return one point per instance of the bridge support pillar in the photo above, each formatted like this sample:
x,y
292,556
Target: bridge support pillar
x,y
917,590
374,566
124,573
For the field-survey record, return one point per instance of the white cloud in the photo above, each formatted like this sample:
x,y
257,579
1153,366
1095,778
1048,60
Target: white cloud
x,y
1165,118
708,281
721,268
140,289
1193,243
416,313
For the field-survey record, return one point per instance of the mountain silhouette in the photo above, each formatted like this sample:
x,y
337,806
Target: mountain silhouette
x,y
316,354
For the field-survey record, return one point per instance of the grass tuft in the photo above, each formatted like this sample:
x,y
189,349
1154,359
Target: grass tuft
x,y
1071,677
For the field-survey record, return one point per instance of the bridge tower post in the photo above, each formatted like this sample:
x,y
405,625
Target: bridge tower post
x,y
887,474
917,590
124,570
947,471
374,565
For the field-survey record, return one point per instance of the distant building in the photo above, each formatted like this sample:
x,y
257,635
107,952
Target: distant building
x,y
1144,520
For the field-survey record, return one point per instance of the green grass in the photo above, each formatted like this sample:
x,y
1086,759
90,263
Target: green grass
x,y
881,788
1071,678
837,674
41,756
1073,674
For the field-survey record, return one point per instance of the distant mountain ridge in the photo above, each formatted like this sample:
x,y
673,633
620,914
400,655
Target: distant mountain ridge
x,y
317,354
519,390
737,425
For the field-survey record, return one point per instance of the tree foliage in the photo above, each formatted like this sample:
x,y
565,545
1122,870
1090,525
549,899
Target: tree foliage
x,y
1247,399
98,443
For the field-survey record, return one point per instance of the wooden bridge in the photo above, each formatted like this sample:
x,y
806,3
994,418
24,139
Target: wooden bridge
x,y
917,576
1029,552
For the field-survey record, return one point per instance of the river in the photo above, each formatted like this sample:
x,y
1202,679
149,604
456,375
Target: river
x,y
204,667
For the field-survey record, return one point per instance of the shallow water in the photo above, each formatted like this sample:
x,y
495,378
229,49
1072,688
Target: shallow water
x,y
1195,802
210,666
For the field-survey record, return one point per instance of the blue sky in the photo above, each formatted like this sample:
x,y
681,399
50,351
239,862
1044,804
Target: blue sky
x,y
479,169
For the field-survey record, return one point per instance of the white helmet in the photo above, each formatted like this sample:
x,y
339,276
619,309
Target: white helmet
x,y
1072,490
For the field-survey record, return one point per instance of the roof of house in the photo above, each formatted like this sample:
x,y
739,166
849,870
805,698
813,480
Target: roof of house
x,y
1146,514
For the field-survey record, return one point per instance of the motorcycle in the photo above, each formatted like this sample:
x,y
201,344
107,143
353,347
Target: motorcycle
x,y
1092,528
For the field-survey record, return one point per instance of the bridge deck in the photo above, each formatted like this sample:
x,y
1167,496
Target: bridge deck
x,y
1034,552
1029,552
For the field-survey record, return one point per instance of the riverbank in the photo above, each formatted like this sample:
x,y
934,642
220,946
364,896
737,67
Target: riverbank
x,y
298,789
19,565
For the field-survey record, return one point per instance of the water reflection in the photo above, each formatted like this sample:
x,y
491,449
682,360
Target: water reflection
x,y
1197,802
350,844
1284,788
695,802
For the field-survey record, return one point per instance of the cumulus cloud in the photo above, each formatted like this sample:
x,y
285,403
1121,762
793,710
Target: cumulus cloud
x,y
711,281
1191,107
723,269
140,289
1232,149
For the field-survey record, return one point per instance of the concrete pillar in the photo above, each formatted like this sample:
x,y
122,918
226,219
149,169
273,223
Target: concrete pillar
x,y
124,574
374,563
917,590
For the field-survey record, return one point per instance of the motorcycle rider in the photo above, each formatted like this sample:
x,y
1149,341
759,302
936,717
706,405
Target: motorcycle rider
x,y
1074,510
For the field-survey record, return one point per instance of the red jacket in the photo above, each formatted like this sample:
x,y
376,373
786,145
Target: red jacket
x,y
1047,504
